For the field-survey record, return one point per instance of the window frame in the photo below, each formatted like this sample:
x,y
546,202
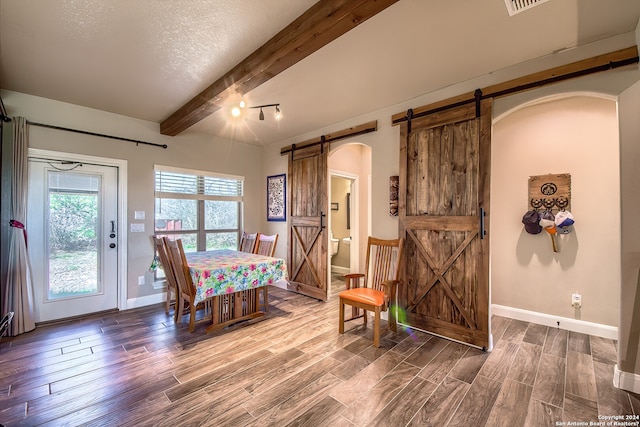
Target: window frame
x,y
200,197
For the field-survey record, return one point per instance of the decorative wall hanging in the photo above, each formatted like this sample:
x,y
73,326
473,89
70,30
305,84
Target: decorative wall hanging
x,y
394,183
550,192
277,197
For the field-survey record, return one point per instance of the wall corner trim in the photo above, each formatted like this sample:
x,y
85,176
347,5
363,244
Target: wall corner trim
x,y
574,325
626,380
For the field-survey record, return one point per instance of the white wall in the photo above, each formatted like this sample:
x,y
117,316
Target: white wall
x,y
576,135
200,152
629,332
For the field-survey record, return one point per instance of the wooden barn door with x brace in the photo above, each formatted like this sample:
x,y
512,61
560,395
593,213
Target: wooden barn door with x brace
x,y
443,209
307,221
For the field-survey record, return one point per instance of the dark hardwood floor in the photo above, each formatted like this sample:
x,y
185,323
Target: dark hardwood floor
x,y
292,368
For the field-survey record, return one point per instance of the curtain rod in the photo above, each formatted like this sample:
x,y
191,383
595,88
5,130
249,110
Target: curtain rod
x,y
84,132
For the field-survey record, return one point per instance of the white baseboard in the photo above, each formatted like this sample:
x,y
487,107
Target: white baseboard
x,y
626,380
569,324
339,269
146,300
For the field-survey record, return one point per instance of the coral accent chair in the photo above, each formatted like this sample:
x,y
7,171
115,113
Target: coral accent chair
x,y
378,288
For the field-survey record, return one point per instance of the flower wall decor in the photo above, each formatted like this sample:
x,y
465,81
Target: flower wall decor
x,y
277,197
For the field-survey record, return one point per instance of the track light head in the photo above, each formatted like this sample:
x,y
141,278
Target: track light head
x,y
278,114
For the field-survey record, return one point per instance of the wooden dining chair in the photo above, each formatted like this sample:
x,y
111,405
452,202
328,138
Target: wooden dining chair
x,y
170,277
187,290
248,242
266,245
379,284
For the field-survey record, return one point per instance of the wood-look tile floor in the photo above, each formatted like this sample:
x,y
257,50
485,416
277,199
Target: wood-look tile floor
x,y
292,368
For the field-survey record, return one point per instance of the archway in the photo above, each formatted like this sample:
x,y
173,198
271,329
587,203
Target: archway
x,y
350,166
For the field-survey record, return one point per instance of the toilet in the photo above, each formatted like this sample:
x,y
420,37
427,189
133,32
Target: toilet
x,y
334,245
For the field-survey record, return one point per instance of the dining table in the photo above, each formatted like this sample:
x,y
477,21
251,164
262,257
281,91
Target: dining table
x,y
232,280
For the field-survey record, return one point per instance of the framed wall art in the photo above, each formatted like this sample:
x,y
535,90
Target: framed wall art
x,y
394,183
277,197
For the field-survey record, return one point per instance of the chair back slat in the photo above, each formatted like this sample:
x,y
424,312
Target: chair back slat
x,y
382,261
167,266
248,242
180,266
266,244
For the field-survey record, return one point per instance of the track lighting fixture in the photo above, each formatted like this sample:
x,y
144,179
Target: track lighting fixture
x,y
277,115
236,109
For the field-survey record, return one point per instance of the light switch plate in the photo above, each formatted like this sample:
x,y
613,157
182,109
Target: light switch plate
x,y
139,215
137,227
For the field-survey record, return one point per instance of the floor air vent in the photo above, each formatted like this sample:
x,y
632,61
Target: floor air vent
x,y
517,6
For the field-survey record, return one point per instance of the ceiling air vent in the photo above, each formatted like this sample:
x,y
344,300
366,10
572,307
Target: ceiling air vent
x,y
517,6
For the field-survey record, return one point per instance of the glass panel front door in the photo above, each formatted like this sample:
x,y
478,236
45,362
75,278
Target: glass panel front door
x,y
72,238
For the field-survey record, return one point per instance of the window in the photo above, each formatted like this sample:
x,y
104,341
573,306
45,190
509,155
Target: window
x,y
204,209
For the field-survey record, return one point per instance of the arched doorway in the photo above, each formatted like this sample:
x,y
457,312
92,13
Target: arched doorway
x,y
350,214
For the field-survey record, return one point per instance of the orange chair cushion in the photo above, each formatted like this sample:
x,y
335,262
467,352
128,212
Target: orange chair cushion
x,y
363,295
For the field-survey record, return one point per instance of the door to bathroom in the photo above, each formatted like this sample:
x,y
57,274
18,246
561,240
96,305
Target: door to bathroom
x,y
308,232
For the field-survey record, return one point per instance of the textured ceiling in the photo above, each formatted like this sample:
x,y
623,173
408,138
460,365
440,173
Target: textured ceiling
x,y
147,58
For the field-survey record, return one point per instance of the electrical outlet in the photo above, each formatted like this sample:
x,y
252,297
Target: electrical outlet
x,y
140,280
576,300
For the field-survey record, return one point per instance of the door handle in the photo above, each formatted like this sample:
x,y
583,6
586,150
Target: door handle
x,y
483,231
322,215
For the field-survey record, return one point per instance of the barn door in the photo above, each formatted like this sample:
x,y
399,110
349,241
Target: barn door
x,y
307,220
443,216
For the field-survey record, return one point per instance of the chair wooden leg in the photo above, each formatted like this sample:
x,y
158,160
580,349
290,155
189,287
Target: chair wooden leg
x,y
179,308
175,306
341,326
392,320
365,317
265,298
376,328
192,316
168,302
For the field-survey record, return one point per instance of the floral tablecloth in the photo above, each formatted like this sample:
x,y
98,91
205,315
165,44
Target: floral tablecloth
x,y
226,271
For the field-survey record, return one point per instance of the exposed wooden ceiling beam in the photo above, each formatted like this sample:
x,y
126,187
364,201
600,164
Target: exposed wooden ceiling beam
x,y
324,22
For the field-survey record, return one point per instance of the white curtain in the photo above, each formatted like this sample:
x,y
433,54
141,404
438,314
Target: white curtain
x,y
19,292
